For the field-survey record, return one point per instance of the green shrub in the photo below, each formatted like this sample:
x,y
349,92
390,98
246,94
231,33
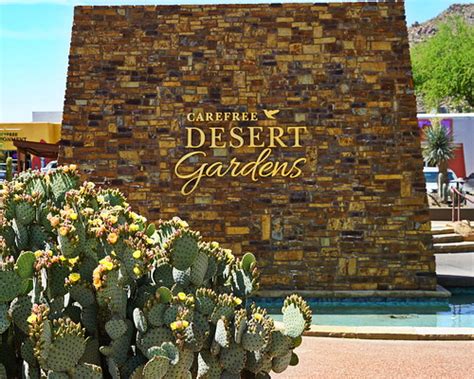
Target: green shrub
x,y
9,169
90,289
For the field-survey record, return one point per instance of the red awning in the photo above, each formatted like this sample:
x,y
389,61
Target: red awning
x,y
38,149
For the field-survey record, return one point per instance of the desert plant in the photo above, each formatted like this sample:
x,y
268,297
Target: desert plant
x,y
443,66
438,149
90,289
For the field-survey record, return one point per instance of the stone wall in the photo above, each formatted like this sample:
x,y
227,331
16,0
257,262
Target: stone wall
x,y
356,219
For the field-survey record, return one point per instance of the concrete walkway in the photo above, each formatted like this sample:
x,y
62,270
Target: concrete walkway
x,y
335,358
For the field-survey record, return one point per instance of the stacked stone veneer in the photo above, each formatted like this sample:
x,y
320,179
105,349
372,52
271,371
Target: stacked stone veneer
x,y
356,220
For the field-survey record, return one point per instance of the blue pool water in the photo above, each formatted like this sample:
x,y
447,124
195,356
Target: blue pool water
x,y
457,312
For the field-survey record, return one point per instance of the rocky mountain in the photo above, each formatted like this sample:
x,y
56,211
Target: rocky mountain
x,y
420,31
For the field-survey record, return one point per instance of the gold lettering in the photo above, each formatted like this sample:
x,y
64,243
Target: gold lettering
x,y
190,117
255,136
236,136
297,169
216,138
189,133
276,136
194,177
297,133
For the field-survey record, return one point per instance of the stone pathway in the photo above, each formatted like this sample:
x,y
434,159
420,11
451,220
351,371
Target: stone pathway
x,y
331,358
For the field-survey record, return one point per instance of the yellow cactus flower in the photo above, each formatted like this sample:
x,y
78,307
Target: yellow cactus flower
x,y
100,199
54,221
183,224
179,325
237,301
137,254
74,277
257,316
137,271
62,258
133,227
113,219
181,296
112,238
149,241
63,230
108,265
174,325
72,167
73,261
97,282
31,318
50,253
73,216
214,244
38,253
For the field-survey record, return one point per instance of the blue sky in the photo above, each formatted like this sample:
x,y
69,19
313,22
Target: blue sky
x,y
34,45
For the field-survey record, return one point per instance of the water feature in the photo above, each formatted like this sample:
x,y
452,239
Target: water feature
x,y
457,312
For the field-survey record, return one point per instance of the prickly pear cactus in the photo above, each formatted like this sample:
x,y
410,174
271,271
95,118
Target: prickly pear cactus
x,y
90,289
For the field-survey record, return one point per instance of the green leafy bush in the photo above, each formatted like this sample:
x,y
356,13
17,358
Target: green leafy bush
x,y
90,289
443,68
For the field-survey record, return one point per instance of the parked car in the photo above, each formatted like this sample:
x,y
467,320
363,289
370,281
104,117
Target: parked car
x,y
431,178
51,166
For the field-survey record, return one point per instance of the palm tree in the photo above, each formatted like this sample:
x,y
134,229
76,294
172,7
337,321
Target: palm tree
x,y
438,149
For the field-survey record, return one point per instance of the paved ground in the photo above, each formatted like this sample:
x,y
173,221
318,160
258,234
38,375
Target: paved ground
x,y
460,264
331,358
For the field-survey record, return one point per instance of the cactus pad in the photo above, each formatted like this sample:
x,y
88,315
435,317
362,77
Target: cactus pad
x,y
155,314
154,337
20,309
24,213
222,335
199,269
184,249
208,366
4,318
139,320
115,328
279,364
10,285
297,316
87,371
65,351
233,358
156,368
